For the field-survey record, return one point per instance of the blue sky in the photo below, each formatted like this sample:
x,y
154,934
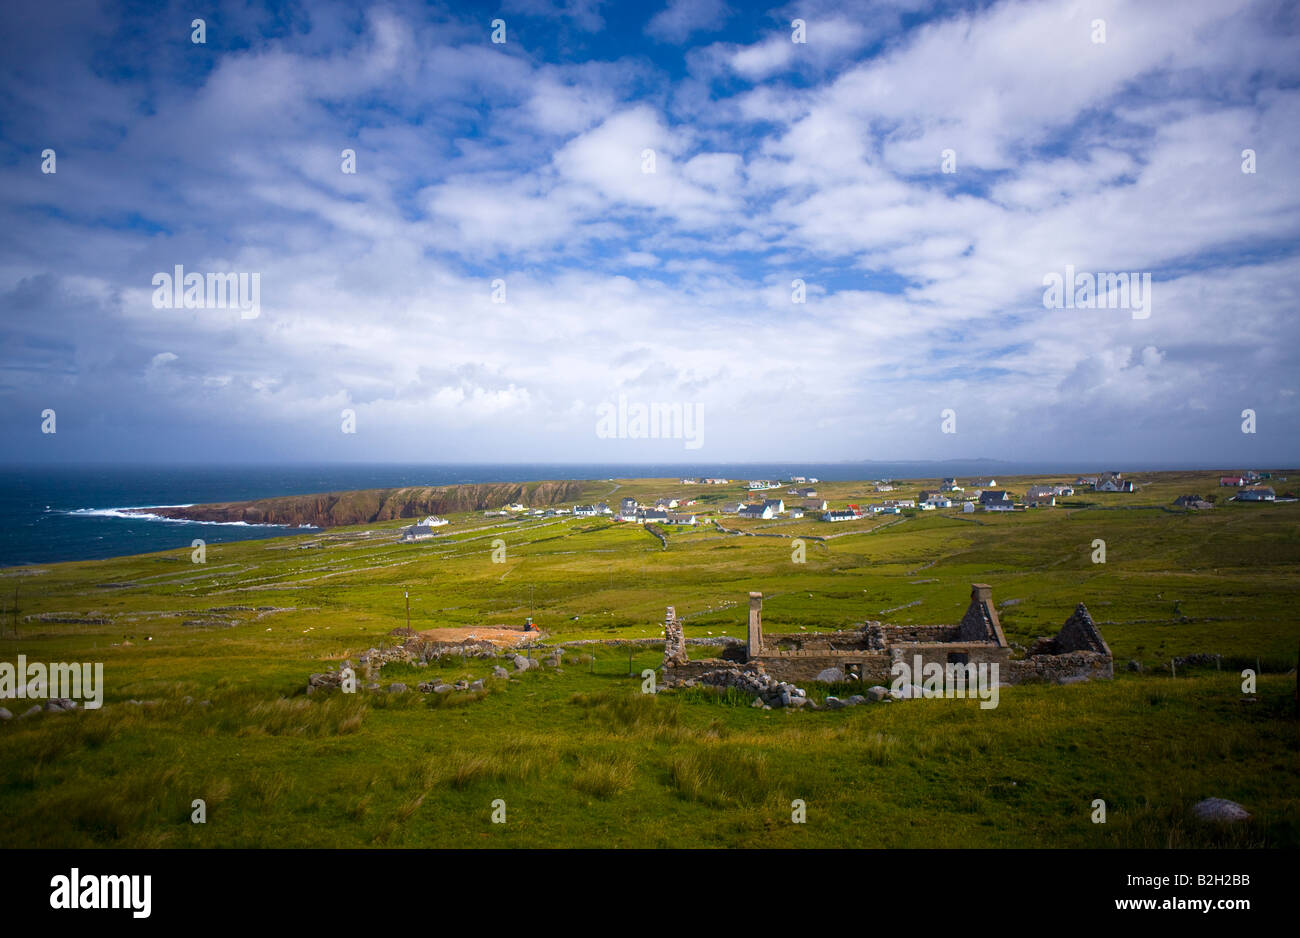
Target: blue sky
x,y
774,161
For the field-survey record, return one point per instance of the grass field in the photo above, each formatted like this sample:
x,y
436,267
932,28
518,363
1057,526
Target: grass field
x,y
581,758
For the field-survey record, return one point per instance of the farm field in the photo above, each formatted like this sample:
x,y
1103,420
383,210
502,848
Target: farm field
x,y
220,651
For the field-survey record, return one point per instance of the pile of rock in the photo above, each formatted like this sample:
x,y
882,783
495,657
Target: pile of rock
x,y
439,686
53,705
768,691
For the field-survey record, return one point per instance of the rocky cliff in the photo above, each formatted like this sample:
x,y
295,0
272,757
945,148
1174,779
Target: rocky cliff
x,y
369,505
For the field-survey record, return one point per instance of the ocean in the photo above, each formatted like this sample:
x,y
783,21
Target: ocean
x,y
54,513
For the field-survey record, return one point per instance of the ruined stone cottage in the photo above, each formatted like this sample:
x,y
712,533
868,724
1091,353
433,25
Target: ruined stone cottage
x,y
1077,653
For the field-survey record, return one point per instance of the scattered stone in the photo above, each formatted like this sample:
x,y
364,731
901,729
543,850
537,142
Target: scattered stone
x,y
758,702
397,688
877,693
1134,665
499,671
5,714
522,663
855,700
834,703
477,685
1219,810
830,676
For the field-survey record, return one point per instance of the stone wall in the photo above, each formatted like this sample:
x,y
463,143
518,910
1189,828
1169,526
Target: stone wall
x,y
1068,668
872,666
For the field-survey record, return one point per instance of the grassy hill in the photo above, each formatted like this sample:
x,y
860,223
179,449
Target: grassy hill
x,y
582,758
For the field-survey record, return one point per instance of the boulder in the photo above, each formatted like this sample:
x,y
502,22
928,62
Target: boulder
x,y
522,663
855,700
877,693
397,688
798,702
499,671
477,685
1219,809
834,703
5,714
758,702
830,676
443,689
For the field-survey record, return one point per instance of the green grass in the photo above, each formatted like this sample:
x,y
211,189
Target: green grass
x,y
581,758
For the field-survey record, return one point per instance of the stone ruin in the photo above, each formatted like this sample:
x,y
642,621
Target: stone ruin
x,y
674,641
1076,653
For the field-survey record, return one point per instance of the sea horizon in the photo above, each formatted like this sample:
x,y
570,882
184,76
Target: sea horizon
x,y
56,512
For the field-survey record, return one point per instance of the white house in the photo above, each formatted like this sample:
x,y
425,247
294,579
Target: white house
x,y
840,514
763,511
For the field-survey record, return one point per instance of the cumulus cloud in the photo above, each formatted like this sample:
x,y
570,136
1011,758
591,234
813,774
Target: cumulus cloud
x,y
538,227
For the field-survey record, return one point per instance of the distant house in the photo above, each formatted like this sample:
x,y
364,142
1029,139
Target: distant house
x,y
840,514
584,511
900,503
433,521
650,515
815,504
417,532
984,483
806,492
937,501
717,481
604,509
1231,480
925,506
730,508
950,485
763,512
687,517
776,504
1256,493
995,498
1066,490
968,507
1113,482
884,487
666,503
1089,481
1040,491
628,504
690,481
796,512
759,485
1192,501
1040,501
1251,476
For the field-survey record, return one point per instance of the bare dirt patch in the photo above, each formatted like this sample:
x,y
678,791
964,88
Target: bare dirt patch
x,y
500,635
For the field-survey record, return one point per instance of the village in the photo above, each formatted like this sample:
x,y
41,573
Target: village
x,y
801,499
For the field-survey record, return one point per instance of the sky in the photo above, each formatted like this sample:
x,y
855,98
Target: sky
x,y
838,248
